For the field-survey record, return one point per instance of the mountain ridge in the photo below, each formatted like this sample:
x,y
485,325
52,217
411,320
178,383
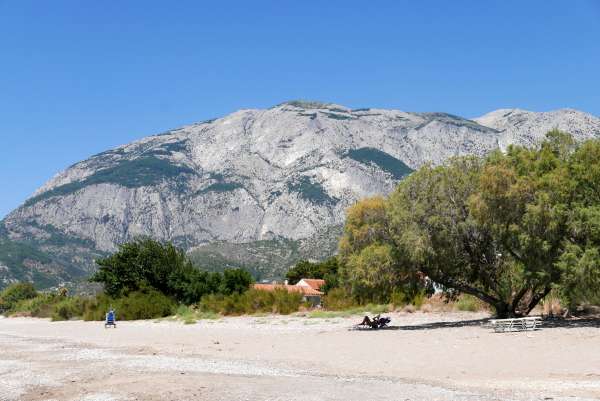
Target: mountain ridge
x,y
286,173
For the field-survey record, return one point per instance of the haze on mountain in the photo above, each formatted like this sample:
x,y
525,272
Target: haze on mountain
x,y
260,189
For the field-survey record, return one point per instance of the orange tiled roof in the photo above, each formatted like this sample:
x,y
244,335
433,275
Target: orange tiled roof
x,y
288,288
314,283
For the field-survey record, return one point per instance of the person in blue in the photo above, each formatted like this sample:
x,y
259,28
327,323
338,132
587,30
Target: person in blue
x,y
110,319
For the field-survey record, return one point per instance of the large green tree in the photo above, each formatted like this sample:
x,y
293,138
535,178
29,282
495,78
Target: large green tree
x,y
146,263
505,229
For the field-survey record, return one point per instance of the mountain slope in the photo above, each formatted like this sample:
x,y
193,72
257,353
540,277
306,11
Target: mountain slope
x,y
279,177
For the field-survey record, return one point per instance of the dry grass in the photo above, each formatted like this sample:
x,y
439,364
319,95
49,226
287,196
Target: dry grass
x,y
551,305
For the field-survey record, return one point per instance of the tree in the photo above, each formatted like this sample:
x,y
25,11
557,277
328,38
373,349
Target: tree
x,y
370,266
326,270
580,262
146,263
505,229
14,293
235,281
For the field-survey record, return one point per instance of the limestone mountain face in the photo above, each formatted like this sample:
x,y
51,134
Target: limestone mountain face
x,y
522,127
257,188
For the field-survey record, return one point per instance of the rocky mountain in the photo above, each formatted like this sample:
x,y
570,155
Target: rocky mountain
x,y
257,188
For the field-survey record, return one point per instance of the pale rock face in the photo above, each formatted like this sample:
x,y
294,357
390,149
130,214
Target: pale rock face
x,y
286,172
522,127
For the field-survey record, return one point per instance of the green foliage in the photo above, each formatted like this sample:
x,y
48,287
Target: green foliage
x,y
40,306
68,308
312,116
370,269
336,116
144,304
306,104
504,229
311,191
580,283
338,299
36,260
252,301
327,270
398,299
468,303
381,159
14,294
146,263
143,171
235,281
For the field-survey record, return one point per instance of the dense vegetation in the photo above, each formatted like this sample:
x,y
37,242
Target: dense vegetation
x,y
381,159
311,191
506,229
326,270
148,279
143,171
146,263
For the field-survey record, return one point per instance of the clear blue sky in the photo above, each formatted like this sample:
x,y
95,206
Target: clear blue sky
x,y
79,77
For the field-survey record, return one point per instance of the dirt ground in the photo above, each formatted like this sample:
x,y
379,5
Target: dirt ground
x,y
423,356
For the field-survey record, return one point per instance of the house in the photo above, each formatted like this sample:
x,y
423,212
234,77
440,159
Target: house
x,y
309,288
314,283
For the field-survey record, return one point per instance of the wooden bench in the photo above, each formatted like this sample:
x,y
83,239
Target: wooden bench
x,y
516,324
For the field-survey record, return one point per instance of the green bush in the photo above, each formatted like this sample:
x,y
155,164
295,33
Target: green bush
x,y
145,304
398,299
418,299
252,301
14,293
338,299
68,308
468,303
40,306
146,263
327,270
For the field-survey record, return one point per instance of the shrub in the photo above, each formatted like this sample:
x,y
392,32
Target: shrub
x,y
327,270
146,263
338,299
551,305
468,303
144,304
14,293
235,280
40,306
398,299
68,308
251,301
418,299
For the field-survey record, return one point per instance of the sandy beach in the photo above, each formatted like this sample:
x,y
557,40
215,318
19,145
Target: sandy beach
x,y
424,356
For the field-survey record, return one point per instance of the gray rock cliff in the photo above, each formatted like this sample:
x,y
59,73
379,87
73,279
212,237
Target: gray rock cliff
x,y
279,178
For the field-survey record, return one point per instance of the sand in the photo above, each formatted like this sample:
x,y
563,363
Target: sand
x,y
424,356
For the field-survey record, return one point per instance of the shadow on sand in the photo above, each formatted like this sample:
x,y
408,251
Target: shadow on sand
x,y
485,323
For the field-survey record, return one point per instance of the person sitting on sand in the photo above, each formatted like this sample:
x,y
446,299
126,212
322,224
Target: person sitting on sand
x,y
110,318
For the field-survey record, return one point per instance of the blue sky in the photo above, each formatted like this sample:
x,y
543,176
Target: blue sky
x,y
77,78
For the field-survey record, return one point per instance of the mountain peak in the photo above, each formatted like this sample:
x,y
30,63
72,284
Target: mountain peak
x,y
276,180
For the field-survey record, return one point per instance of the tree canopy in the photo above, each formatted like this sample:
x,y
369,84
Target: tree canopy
x,y
145,263
327,270
505,229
